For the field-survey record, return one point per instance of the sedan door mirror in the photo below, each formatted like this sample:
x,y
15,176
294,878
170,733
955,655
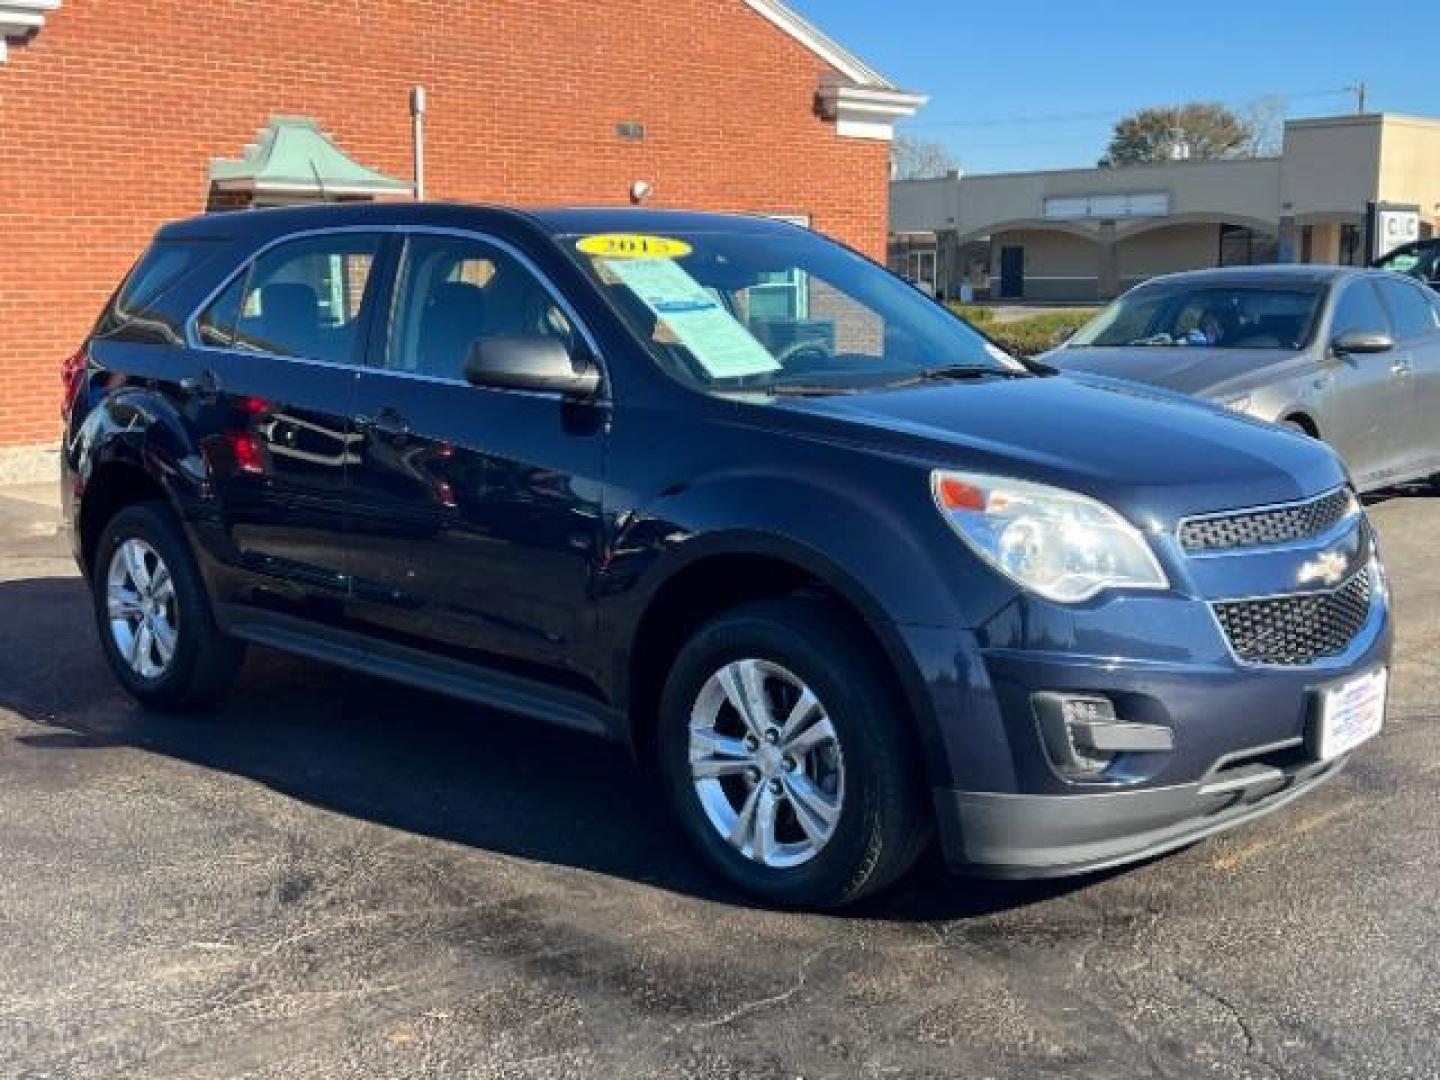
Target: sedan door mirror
x,y
1362,342
530,362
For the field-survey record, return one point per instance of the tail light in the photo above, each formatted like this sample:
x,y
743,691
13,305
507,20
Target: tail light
x,y
72,377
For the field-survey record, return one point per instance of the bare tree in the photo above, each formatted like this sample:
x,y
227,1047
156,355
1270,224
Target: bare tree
x,y
1265,117
919,159
1200,131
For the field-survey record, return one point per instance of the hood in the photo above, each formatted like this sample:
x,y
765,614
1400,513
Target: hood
x,y
1189,370
1155,456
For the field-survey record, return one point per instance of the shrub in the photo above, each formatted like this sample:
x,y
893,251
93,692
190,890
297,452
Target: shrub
x,y
1027,336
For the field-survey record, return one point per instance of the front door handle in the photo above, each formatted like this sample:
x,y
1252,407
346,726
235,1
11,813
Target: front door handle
x,y
1401,366
387,423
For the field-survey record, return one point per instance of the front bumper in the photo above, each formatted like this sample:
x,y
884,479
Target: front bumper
x,y
1036,836
1243,734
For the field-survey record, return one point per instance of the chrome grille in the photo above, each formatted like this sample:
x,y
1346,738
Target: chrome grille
x,y
1294,630
1277,525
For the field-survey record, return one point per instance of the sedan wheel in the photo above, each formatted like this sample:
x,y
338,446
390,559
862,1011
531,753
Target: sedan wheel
x,y
766,763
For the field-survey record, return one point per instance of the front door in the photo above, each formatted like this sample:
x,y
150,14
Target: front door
x,y
1415,314
281,348
478,509
1363,402
1012,273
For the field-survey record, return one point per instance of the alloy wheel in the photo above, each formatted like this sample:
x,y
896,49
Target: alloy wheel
x,y
766,763
141,608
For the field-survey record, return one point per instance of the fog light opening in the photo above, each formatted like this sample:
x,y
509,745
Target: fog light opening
x,y
1081,716
1084,736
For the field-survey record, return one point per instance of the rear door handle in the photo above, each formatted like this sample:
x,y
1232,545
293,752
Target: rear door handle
x,y
387,422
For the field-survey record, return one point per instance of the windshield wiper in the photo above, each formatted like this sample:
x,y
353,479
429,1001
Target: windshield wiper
x,y
958,372
805,389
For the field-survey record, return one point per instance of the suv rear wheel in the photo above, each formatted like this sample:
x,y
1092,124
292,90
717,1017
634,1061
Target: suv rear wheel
x,y
156,625
787,759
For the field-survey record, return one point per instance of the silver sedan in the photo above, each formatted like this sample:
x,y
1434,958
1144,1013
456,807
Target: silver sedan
x,y
1347,355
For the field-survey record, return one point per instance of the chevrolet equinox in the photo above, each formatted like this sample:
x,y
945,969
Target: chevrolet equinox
x,y
844,572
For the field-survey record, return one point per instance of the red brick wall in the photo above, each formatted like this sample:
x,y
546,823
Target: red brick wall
x,y
110,116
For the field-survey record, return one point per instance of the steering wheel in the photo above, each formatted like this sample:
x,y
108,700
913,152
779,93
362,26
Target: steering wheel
x,y
802,354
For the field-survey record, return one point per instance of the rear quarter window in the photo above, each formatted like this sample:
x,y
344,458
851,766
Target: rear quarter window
x,y
164,265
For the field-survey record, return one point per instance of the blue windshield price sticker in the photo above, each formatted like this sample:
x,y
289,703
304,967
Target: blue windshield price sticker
x,y
688,313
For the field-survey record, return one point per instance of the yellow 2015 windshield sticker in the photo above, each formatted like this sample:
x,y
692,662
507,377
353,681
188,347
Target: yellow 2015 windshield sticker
x,y
632,246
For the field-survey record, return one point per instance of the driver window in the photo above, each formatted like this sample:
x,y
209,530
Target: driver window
x,y
1359,310
1409,310
451,292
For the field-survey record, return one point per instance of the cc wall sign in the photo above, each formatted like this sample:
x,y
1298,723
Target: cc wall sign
x,y
1391,227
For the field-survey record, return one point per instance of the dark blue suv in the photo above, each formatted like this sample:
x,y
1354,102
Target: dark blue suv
x,y
844,571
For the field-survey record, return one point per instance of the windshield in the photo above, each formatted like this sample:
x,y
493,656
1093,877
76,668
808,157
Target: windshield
x,y
1418,261
777,312
1210,316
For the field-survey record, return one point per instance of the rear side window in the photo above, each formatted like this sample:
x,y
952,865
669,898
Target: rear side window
x,y
302,299
159,269
216,324
1411,311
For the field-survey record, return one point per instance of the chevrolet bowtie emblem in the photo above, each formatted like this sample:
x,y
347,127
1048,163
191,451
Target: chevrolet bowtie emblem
x,y
1328,568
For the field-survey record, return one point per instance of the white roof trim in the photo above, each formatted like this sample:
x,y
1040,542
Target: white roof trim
x,y
827,48
20,18
865,113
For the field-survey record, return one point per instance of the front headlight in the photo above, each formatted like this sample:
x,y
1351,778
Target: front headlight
x,y
1063,546
1239,404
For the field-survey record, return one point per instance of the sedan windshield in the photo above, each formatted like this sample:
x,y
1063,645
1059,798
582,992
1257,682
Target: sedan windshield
x,y
782,311
1208,316
1420,261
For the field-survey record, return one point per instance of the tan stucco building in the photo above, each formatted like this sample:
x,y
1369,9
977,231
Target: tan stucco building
x,y
1343,189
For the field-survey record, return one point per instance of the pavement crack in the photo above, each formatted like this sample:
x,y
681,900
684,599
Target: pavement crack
x,y
802,970
1254,1049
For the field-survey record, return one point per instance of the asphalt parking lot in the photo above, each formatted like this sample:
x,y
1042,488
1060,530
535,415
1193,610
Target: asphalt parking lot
x,y
332,877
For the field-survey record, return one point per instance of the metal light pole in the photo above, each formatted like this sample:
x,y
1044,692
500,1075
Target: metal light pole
x,y
417,132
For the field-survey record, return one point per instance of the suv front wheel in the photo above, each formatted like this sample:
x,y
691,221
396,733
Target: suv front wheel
x,y
787,758
154,617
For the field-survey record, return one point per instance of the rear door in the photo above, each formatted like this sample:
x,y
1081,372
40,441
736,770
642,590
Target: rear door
x,y
282,344
1363,406
478,509
1416,363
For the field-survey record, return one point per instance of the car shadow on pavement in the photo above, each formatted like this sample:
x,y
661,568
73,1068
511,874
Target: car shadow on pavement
x,y
1418,489
404,759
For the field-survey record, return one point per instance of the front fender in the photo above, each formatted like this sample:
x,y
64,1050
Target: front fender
x,y
883,547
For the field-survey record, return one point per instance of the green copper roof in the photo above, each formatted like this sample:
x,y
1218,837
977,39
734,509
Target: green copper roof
x,y
293,156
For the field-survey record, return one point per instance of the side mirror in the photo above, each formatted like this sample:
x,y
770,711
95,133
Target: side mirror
x,y
530,362
1362,342
1062,335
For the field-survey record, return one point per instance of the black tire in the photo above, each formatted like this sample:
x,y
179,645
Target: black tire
x,y
883,824
205,661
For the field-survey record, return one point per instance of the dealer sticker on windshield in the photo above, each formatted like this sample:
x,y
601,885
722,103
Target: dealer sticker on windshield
x,y
632,246
689,314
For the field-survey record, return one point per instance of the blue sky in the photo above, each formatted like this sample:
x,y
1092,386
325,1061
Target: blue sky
x,y
1069,69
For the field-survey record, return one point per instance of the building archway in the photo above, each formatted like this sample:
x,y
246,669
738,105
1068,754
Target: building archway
x,y
1191,242
1144,225
1045,262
